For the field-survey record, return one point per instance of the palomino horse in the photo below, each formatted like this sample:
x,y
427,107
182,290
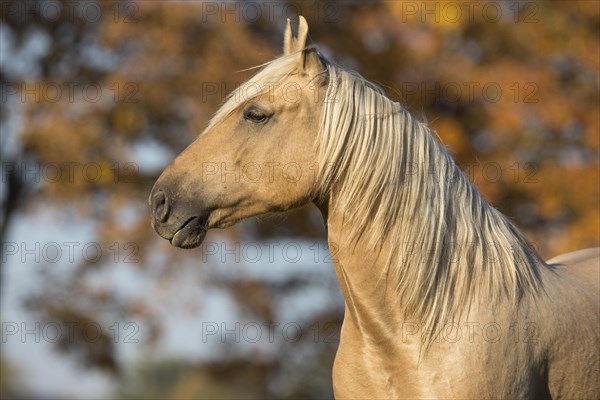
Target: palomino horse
x,y
445,298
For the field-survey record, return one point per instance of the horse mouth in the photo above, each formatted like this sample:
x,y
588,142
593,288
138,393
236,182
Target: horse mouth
x,y
191,233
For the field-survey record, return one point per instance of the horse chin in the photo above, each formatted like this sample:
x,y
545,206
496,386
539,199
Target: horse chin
x,y
191,234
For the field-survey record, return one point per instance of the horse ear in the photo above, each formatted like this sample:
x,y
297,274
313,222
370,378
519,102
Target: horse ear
x,y
287,39
308,56
302,33
293,44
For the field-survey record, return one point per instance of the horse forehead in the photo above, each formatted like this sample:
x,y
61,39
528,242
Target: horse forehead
x,y
277,75
289,87
269,83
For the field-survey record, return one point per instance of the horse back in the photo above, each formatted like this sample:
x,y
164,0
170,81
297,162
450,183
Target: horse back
x,y
574,321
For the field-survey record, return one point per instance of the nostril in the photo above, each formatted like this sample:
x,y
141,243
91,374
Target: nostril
x,y
161,207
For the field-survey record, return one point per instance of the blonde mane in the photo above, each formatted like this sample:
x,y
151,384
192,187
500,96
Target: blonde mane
x,y
397,187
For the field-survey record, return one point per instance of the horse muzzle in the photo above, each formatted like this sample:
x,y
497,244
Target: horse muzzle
x,y
182,225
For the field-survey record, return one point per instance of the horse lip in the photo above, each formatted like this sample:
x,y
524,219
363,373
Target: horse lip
x,y
191,233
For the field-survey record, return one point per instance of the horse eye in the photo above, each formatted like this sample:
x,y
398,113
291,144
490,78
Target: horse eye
x,y
255,115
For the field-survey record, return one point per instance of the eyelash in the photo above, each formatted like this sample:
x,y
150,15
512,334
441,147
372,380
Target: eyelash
x,y
255,116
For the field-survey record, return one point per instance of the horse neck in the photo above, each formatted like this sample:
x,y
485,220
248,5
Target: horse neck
x,y
431,282
370,297
374,314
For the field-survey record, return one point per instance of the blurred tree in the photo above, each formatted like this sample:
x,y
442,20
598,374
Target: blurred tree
x,y
514,98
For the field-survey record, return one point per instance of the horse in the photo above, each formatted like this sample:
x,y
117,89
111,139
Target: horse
x,y
444,296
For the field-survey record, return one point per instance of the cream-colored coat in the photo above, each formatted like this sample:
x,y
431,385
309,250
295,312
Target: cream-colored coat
x,y
548,346
497,322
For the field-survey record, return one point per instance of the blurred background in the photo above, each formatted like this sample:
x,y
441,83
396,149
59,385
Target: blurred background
x,y
98,97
